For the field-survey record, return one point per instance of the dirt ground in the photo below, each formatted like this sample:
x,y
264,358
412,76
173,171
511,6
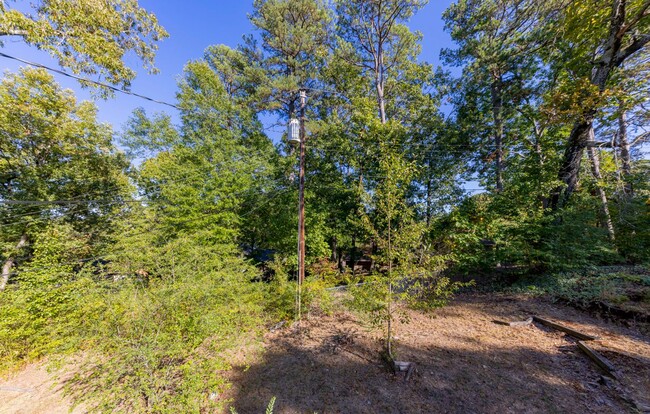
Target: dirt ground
x,y
33,390
465,363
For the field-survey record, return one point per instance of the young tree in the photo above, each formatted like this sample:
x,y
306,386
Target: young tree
x,y
406,271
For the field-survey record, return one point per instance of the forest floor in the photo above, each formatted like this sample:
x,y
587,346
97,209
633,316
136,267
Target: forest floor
x,y
465,363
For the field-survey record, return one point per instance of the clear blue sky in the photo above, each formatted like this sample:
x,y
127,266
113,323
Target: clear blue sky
x,y
194,25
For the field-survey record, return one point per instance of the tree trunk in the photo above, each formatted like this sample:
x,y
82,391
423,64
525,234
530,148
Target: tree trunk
x,y
9,264
334,247
381,104
380,81
353,254
595,170
496,91
624,145
580,134
540,160
429,192
570,170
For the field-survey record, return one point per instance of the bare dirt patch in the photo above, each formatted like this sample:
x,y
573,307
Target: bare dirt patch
x,y
34,390
466,363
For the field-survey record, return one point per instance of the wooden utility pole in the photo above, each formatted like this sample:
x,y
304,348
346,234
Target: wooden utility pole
x,y
301,190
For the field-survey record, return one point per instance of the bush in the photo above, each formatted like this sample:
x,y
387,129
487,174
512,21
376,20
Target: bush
x,y
282,296
145,346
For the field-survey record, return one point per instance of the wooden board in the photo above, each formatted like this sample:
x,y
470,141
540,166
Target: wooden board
x,y
563,328
516,323
602,362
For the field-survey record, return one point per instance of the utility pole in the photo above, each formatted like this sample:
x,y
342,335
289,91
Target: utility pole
x,y
301,191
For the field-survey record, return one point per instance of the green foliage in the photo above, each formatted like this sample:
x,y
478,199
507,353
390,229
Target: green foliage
x,y
585,287
406,272
53,148
144,279
34,314
88,37
486,232
159,347
283,291
156,343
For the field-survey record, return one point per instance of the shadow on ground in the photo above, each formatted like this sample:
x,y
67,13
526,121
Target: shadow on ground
x,y
465,364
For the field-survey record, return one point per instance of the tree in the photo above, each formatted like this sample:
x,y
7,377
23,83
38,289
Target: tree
x,y
200,174
497,42
295,43
88,37
57,162
406,271
373,39
597,40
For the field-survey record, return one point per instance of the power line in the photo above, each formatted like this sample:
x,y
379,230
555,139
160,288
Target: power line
x,y
89,259
97,83
111,202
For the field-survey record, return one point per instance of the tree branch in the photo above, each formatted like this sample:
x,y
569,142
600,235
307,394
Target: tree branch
x,y
643,12
14,32
638,43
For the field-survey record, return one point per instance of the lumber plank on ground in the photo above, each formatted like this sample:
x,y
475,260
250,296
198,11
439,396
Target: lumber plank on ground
x,y
563,328
516,323
600,360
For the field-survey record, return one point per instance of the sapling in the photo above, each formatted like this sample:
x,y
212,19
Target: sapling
x,y
405,271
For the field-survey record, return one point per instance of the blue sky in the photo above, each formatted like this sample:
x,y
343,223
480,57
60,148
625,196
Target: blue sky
x,y
193,26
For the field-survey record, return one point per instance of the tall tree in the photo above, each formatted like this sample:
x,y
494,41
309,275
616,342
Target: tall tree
x,y
295,43
375,39
598,38
202,173
496,41
57,162
89,37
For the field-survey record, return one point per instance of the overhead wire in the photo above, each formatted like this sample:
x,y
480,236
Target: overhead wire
x,y
90,81
109,202
146,231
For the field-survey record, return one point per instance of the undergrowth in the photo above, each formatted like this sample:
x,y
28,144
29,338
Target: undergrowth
x,y
141,343
614,285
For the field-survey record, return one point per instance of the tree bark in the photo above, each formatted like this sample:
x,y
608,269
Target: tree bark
x,y
334,247
624,146
9,264
429,192
595,171
613,55
379,84
496,91
570,170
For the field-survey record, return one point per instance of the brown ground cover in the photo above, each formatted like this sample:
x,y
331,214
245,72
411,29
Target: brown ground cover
x,y
465,362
